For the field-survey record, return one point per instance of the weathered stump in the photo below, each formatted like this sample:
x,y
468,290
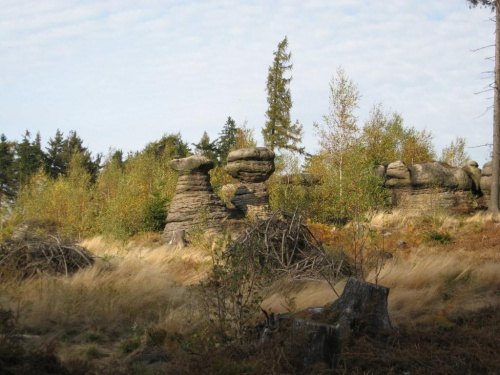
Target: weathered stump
x,y
361,309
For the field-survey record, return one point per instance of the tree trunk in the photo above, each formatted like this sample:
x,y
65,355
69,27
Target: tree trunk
x,y
496,119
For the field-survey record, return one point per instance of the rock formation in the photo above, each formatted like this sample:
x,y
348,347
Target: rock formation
x,y
252,167
431,185
485,182
194,202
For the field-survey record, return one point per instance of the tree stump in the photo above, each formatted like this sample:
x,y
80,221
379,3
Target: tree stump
x,y
362,308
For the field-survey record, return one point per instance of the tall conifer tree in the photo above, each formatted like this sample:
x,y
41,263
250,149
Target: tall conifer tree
x,y
279,132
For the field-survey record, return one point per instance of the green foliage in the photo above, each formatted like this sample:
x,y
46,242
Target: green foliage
x,y
67,201
279,132
7,174
227,140
206,148
29,158
155,215
348,195
435,237
232,293
286,189
455,154
134,197
131,344
244,137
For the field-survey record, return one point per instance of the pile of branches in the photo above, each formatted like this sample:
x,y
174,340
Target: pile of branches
x,y
283,244
33,256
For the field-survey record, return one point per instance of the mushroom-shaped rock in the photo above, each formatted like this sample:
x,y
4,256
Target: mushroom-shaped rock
x,y
194,202
252,167
192,164
254,164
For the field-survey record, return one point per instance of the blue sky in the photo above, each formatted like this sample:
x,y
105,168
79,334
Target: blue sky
x,y
122,73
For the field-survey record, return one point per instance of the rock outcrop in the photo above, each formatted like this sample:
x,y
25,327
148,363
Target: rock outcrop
x,y
195,202
485,182
252,167
431,185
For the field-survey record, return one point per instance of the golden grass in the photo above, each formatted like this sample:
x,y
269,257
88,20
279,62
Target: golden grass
x,y
142,284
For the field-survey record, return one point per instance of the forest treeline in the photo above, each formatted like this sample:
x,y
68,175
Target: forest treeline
x,y
120,195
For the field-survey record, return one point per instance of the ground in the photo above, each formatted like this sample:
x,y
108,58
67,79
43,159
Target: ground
x,y
138,310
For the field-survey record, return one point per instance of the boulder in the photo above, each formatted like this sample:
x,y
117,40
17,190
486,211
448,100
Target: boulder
x,y
435,175
486,181
474,173
397,175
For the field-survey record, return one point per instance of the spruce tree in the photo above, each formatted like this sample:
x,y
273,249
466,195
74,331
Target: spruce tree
x,y
29,158
7,175
55,164
279,132
206,148
227,140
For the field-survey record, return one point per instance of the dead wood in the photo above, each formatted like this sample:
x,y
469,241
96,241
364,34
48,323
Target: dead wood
x,y
49,254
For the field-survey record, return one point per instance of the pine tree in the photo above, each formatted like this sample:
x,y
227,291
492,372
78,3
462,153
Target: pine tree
x,y
55,164
72,145
227,140
279,132
7,175
206,148
29,158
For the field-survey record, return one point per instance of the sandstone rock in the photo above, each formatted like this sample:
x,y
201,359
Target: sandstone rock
x,y
439,175
252,198
253,164
192,164
194,202
486,180
474,173
398,169
397,175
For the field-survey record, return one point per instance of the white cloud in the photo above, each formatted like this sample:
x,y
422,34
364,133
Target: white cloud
x,y
131,71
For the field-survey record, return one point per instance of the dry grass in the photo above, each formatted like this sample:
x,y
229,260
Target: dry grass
x,y
133,287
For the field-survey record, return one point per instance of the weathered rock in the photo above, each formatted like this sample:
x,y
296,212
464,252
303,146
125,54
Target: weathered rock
x,y
252,199
486,181
192,164
474,173
439,175
194,202
397,175
252,166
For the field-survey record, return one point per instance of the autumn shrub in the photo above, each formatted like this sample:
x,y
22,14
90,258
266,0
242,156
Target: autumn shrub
x,y
67,201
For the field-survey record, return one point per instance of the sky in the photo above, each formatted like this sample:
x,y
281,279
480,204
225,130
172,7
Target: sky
x,y
123,73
